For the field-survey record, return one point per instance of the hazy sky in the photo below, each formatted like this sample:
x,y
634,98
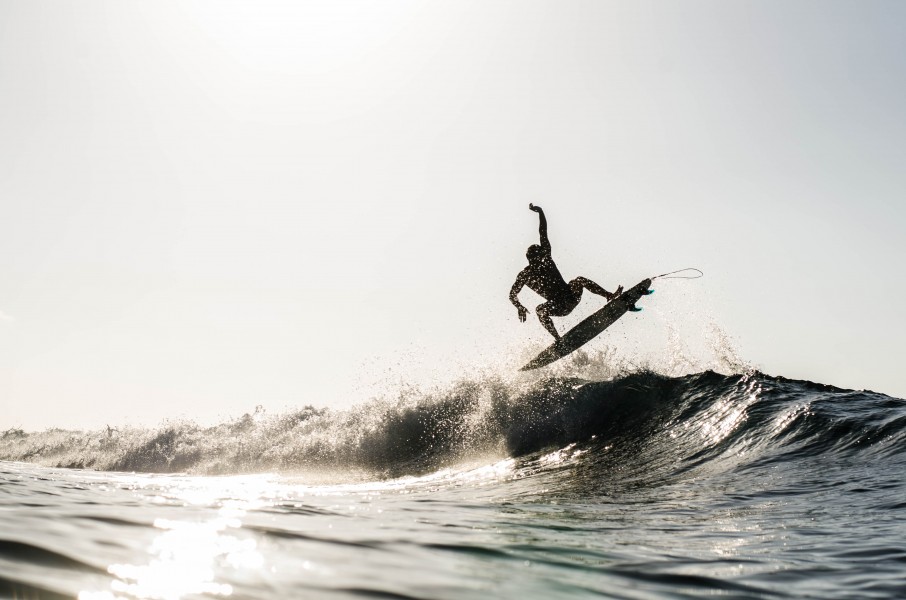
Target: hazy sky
x,y
212,205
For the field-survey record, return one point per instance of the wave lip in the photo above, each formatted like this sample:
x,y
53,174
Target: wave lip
x,y
651,422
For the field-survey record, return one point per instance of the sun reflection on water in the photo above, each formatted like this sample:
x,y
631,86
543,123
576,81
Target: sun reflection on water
x,y
728,414
202,554
187,554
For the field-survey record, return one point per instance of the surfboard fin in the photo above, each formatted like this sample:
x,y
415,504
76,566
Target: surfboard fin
x,y
635,308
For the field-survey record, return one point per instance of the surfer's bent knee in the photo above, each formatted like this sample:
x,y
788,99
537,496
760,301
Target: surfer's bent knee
x,y
576,286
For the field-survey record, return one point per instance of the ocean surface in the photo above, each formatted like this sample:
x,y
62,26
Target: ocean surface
x,y
638,486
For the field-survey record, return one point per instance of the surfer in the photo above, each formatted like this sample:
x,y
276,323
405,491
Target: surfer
x,y
543,276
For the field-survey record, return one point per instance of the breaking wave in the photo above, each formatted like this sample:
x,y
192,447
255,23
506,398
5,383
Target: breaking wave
x,y
639,424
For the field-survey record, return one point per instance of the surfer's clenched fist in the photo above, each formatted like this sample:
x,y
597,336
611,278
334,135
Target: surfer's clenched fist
x,y
537,209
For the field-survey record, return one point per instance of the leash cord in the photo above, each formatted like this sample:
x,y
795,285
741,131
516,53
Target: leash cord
x,y
672,275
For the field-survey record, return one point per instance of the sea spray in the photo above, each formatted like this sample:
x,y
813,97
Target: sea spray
x,y
691,420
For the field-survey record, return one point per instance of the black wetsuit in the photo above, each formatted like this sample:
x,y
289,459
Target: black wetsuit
x,y
543,277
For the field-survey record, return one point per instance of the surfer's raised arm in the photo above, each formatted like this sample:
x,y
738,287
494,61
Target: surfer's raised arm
x,y
514,295
542,227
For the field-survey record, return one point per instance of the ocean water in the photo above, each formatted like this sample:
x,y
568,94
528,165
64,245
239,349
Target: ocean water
x,y
638,486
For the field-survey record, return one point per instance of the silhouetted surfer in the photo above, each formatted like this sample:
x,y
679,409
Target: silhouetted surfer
x,y
543,276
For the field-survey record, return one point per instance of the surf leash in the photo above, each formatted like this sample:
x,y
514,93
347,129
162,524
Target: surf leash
x,y
673,275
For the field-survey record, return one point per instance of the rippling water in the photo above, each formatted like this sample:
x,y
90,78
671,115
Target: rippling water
x,y
640,487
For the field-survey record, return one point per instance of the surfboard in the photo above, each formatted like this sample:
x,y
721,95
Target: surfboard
x,y
591,326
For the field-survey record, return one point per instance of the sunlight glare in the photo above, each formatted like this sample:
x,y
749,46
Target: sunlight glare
x,y
186,557
279,35
187,554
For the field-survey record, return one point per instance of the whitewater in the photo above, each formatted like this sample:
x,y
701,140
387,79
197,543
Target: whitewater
x,y
633,485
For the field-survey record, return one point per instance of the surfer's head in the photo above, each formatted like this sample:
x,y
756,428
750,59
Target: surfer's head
x,y
534,253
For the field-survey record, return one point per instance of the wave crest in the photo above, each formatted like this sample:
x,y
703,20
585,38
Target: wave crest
x,y
648,423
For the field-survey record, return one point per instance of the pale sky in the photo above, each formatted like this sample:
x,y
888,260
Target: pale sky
x,y
207,206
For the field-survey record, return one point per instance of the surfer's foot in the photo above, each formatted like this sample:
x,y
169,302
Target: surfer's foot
x,y
615,294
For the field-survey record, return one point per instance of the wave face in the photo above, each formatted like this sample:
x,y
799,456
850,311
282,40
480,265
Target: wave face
x,y
638,486
637,426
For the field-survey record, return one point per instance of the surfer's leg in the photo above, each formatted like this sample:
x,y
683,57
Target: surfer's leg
x,y
577,284
543,312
